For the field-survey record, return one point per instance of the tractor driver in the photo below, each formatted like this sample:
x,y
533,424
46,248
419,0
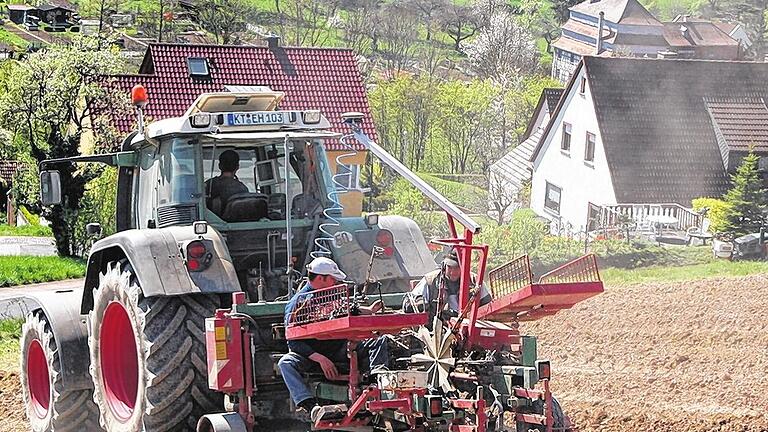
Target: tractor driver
x,y
307,354
219,189
428,290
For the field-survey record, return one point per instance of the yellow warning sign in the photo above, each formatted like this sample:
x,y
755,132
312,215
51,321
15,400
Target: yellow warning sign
x,y
221,333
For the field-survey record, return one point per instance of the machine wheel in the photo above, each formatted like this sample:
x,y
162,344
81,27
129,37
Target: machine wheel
x,y
49,404
148,359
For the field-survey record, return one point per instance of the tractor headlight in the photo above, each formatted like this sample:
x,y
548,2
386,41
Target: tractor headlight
x,y
200,120
311,116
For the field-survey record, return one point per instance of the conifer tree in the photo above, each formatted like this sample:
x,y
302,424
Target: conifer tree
x,y
747,201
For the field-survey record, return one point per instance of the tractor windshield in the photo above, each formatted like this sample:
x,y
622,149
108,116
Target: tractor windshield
x,y
248,183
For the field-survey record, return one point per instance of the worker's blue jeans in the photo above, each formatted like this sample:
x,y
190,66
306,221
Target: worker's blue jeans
x,y
293,365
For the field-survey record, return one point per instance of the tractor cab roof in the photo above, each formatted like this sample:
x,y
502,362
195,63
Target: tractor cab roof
x,y
241,116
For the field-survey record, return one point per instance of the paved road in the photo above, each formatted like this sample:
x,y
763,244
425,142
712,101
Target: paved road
x,y
38,246
11,306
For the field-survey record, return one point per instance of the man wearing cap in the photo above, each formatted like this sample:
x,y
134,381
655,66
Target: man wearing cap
x,y
427,291
219,189
306,354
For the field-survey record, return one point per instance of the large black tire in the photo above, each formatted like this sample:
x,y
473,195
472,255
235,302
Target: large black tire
x,y
148,358
49,404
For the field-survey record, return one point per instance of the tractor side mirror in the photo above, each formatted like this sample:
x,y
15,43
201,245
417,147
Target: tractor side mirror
x,y
50,187
93,229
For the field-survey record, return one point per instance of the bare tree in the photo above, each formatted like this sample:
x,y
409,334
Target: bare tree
x,y
306,20
502,196
460,23
428,11
361,25
398,29
223,18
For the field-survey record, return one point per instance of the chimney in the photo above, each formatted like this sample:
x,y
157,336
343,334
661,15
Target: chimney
x,y
273,41
599,44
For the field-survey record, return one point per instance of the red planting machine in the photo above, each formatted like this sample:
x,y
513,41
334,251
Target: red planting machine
x,y
471,371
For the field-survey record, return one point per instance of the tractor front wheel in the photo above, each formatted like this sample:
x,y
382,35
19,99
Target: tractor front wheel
x,y
50,405
148,357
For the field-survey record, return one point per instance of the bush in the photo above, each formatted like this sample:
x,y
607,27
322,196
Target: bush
x,y
33,219
25,231
97,205
717,214
523,234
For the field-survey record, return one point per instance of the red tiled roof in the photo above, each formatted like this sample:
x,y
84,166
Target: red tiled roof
x,y
312,78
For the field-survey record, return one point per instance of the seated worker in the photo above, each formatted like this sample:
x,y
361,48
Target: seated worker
x,y
307,354
219,189
426,291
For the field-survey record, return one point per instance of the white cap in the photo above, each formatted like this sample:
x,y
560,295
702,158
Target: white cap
x,y
326,266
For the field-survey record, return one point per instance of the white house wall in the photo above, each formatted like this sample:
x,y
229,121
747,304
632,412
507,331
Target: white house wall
x,y
581,182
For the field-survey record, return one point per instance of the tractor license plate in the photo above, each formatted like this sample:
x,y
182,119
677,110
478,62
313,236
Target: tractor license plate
x,y
255,118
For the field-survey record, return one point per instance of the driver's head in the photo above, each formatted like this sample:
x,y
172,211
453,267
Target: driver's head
x,y
451,267
229,161
324,272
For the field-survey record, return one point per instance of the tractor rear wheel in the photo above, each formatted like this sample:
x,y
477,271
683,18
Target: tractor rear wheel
x,y
49,404
148,360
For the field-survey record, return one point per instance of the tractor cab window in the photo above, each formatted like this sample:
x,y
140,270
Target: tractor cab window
x,y
248,184
178,184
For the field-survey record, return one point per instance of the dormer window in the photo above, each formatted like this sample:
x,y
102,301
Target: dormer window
x,y
198,67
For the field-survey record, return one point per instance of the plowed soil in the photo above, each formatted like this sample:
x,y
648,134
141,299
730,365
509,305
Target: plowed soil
x,y
689,356
682,357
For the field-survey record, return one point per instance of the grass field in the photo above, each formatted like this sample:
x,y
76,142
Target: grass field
x,y
719,268
19,270
25,231
10,331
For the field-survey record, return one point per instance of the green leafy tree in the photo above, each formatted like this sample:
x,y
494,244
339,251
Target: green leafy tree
x,y
466,118
747,200
47,102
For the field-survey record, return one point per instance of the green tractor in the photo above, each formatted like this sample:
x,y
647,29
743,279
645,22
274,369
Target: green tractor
x,y
127,353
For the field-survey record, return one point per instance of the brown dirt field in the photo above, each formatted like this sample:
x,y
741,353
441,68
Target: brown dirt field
x,y
11,411
678,357
689,356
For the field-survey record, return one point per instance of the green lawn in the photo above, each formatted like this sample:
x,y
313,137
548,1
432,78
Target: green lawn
x,y
25,231
719,268
18,270
10,331
12,39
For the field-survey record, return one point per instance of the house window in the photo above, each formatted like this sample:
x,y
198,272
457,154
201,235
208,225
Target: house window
x,y
589,148
198,67
566,143
583,86
552,198
348,176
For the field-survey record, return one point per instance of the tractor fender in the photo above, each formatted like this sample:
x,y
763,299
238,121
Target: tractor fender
x,y
354,242
62,310
158,262
412,250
